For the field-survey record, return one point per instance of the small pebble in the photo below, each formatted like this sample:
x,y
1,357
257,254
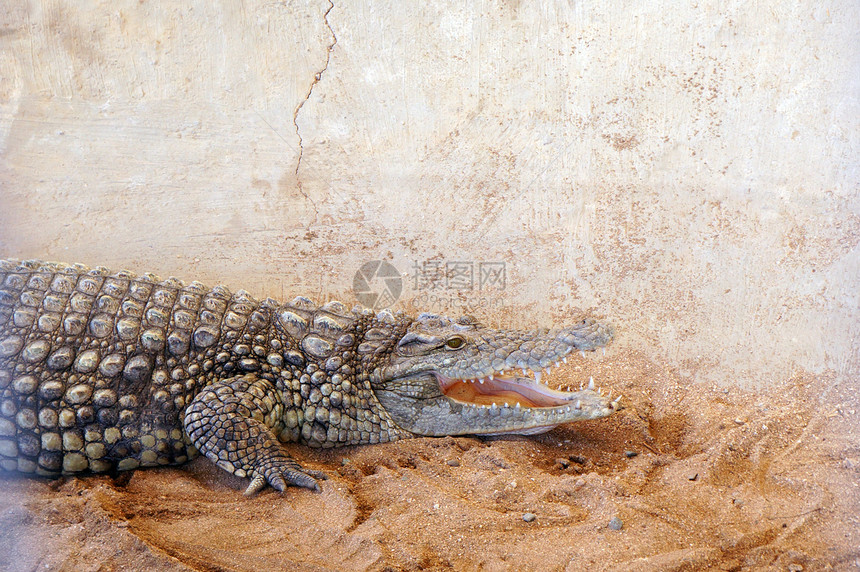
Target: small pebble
x,y
344,462
562,463
453,463
529,516
692,476
738,502
630,454
578,459
795,568
615,523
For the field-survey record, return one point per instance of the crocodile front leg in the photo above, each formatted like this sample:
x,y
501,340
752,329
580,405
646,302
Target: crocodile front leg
x,y
234,422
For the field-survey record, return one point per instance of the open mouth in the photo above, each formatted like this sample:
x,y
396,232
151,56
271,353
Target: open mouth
x,y
505,389
513,400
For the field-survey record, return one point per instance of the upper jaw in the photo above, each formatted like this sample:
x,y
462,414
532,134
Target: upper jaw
x,y
534,351
550,349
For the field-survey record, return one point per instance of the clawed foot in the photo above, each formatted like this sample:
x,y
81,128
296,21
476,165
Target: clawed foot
x,y
234,423
284,474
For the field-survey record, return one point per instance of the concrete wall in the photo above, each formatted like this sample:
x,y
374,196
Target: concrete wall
x,y
688,170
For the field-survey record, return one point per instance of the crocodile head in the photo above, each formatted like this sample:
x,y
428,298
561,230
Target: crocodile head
x,y
455,377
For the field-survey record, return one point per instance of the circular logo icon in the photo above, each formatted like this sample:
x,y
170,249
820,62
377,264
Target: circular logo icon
x,y
377,284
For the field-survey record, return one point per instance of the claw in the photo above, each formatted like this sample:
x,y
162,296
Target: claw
x,y
257,484
303,480
317,474
278,483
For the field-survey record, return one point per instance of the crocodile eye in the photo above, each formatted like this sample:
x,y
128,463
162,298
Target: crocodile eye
x,y
455,342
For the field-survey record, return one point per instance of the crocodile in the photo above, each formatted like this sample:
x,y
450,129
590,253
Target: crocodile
x,y
104,372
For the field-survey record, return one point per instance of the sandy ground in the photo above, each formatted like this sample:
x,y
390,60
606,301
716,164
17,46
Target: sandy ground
x,y
697,478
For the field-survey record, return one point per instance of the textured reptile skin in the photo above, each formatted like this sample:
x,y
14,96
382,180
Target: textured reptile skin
x,y
102,371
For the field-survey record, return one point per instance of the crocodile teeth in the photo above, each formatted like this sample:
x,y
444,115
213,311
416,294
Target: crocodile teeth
x,y
591,383
537,376
582,353
564,359
578,404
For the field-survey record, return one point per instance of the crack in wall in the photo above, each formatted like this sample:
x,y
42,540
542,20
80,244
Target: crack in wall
x,y
317,77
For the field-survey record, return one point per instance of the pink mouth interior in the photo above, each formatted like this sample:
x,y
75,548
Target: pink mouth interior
x,y
501,390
